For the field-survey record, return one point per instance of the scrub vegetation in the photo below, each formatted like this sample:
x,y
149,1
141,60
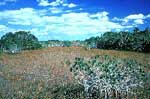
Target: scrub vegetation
x,y
45,73
113,66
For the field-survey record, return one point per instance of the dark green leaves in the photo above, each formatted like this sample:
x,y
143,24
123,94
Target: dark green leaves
x,y
20,40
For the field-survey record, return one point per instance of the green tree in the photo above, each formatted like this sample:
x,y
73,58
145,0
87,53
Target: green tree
x,y
109,40
92,42
67,43
20,40
134,41
146,39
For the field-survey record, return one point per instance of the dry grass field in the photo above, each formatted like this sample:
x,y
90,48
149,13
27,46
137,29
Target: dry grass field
x,y
28,73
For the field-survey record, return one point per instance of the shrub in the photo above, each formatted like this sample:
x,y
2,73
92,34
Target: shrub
x,y
109,76
69,91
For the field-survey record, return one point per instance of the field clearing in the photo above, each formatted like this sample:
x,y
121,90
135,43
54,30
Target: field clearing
x,y
49,66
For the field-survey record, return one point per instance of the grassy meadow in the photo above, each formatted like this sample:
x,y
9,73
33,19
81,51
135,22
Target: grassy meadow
x,y
33,74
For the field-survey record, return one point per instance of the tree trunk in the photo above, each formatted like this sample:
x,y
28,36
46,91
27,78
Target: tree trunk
x,y
105,94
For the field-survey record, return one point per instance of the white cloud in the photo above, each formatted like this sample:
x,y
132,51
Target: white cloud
x,y
47,3
134,19
44,24
72,5
56,3
148,16
101,16
55,10
80,23
43,2
39,32
138,21
135,16
3,27
24,16
4,2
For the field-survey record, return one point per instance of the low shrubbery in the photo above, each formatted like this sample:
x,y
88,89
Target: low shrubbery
x,y
108,77
69,91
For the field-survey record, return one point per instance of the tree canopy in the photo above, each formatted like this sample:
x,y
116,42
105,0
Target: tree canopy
x,y
20,40
136,40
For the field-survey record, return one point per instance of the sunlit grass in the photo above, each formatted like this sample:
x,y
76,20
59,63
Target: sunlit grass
x,y
32,74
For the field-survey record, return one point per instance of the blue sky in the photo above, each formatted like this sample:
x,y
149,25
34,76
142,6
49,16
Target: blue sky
x,y
72,19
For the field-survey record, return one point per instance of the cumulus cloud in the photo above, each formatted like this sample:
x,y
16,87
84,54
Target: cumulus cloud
x,y
43,2
56,3
71,25
72,5
67,24
134,19
4,2
23,16
138,21
135,16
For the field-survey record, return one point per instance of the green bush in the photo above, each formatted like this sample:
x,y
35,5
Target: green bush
x,y
69,91
109,76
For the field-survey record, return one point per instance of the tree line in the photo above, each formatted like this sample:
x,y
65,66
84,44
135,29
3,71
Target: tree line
x,y
137,40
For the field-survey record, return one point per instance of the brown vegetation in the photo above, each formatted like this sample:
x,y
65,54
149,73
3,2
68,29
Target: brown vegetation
x,y
51,65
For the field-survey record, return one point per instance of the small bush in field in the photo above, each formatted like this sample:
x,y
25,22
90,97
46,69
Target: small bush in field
x,y
69,91
108,76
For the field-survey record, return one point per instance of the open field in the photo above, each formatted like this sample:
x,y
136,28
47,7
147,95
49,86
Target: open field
x,y
29,73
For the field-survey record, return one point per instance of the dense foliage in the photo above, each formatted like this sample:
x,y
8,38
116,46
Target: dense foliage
x,y
136,40
92,42
110,77
58,43
17,41
133,41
